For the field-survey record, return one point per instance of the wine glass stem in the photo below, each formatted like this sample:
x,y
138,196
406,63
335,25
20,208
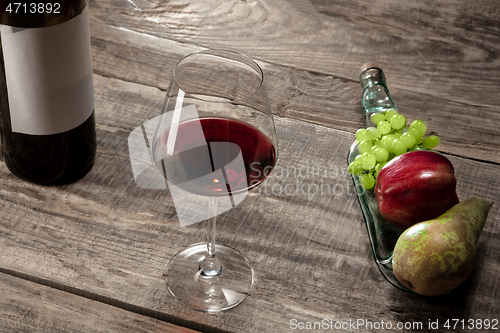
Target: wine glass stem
x,y
211,266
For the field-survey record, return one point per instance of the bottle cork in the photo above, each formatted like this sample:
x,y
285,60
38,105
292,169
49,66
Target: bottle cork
x,y
369,65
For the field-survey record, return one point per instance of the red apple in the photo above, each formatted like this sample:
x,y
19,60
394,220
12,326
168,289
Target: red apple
x,y
415,187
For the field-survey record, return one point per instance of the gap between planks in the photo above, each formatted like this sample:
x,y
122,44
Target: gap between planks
x,y
114,302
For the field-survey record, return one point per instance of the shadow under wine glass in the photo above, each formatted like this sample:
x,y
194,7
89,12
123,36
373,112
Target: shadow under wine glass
x,y
214,141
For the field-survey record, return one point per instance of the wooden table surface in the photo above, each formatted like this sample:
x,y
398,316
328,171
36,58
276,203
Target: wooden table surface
x,y
91,256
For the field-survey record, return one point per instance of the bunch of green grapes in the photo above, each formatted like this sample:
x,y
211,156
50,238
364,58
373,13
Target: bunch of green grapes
x,y
390,138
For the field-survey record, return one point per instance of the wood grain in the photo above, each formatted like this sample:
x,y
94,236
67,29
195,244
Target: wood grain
x,y
441,60
101,246
310,251
29,307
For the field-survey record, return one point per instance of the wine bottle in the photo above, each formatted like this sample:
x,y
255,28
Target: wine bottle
x,y
46,90
376,97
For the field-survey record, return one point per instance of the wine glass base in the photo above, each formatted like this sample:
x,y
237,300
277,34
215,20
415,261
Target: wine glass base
x,y
209,293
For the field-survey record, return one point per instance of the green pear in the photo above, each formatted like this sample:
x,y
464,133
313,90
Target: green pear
x,y
436,256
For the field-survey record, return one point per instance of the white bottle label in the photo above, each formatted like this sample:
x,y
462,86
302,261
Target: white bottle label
x,y
49,76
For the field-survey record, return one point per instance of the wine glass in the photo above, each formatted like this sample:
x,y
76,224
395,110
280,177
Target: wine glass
x,y
214,141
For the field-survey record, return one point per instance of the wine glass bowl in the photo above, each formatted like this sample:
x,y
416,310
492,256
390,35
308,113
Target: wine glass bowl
x,y
215,140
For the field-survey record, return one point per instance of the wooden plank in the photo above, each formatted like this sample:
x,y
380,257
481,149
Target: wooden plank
x,y
312,57
29,307
333,38
310,251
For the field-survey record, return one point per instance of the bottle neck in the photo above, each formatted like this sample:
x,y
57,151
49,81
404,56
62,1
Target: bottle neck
x,y
375,97
372,76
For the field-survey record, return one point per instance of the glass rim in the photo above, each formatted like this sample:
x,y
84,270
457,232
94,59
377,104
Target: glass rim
x,y
222,54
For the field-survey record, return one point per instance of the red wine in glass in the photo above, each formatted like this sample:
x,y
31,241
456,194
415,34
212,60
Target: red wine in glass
x,y
216,156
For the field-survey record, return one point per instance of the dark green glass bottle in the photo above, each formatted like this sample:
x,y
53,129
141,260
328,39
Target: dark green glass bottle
x,y
47,120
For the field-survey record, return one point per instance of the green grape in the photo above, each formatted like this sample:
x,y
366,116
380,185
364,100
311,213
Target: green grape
x,y
386,142
364,146
378,167
389,118
367,180
398,121
361,135
420,147
368,160
381,154
355,168
399,147
431,141
372,133
384,127
408,139
415,133
420,126
377,118
389,113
